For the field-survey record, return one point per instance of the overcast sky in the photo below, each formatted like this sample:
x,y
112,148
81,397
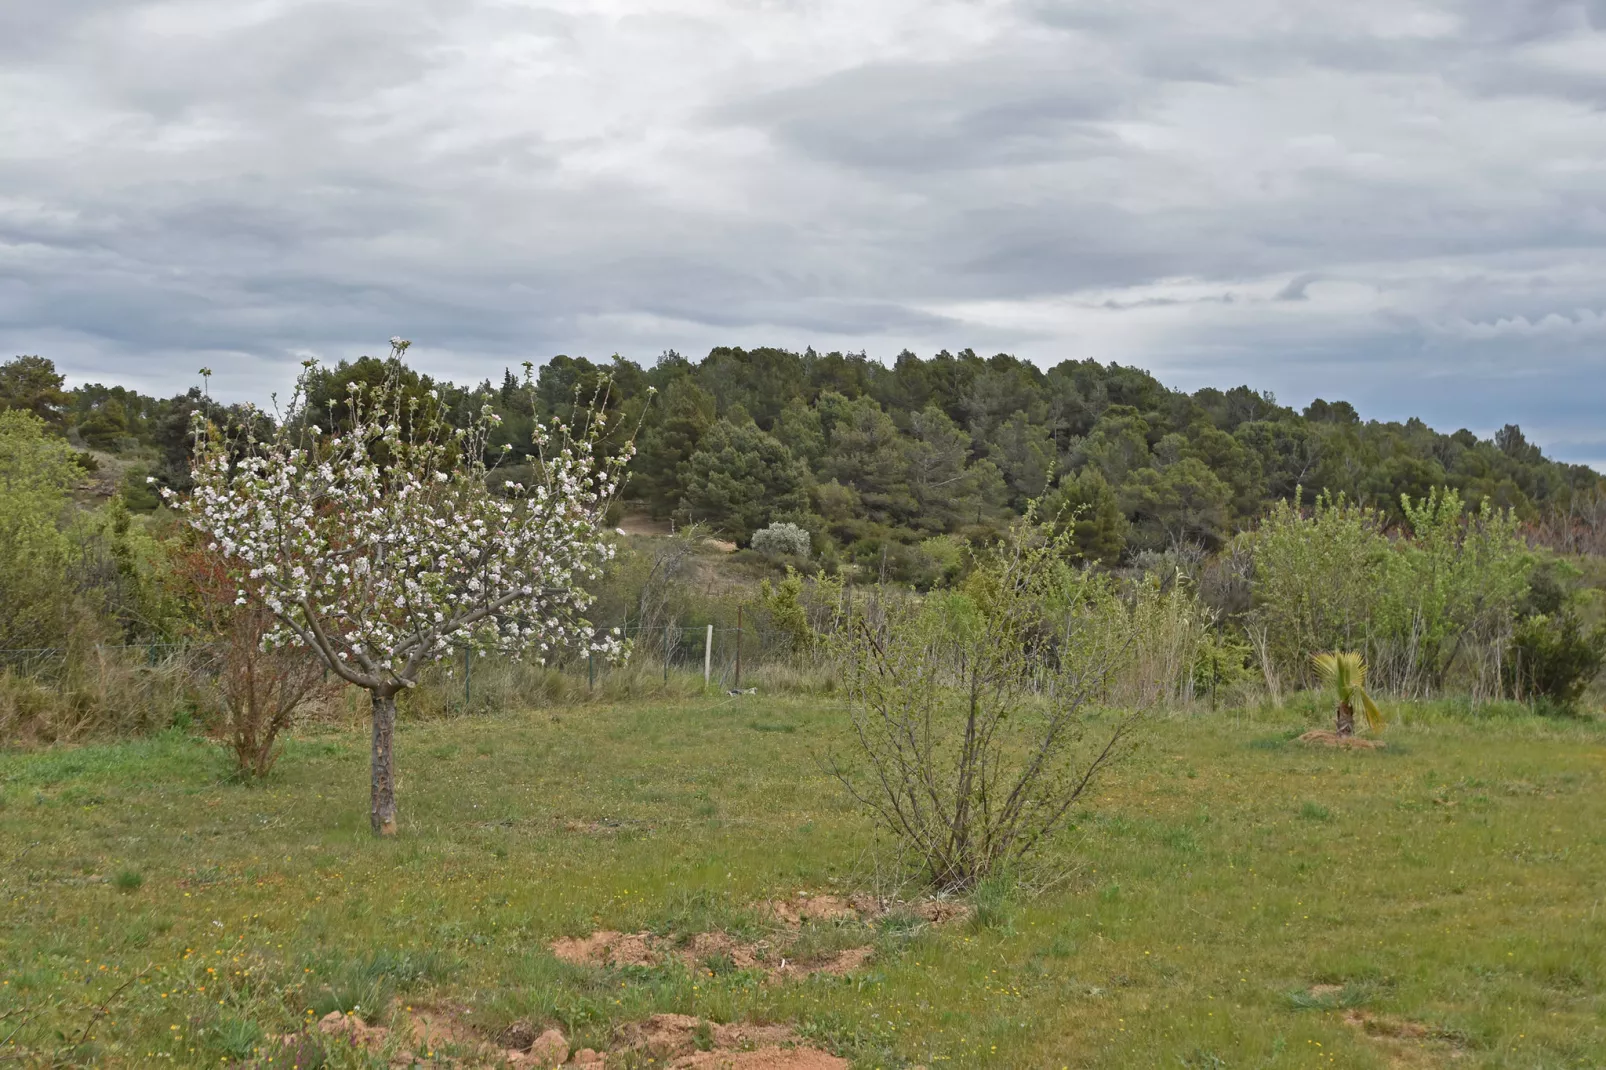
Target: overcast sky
x,y
1394,201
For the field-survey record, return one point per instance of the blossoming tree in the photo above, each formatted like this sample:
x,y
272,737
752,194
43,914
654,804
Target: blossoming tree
x,y
383,546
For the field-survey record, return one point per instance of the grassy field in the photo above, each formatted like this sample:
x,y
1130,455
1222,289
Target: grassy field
x,y
1230,899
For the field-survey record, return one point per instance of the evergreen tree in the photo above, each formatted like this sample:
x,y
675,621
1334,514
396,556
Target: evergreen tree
x,y
686,412
1087,504
739,479
32,384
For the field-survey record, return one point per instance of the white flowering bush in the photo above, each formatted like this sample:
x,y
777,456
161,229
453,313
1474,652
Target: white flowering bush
x,y
381,547
782,538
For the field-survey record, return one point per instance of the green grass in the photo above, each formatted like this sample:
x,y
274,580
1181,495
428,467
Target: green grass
x,y
1230,896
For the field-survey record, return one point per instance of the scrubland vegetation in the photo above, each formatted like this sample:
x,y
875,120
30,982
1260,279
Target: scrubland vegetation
x,y
1008,668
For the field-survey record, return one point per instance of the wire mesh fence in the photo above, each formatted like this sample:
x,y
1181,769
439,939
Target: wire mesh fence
x,y
49,661
723,656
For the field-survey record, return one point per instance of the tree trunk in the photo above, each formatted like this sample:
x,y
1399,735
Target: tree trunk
x,y
382,813
1346,719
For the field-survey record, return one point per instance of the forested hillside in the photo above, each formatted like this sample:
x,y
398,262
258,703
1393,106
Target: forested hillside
x,y
875,461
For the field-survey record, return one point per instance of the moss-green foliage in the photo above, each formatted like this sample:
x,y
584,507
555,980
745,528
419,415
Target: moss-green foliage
x,y
787,614
917,448
1553,659
1448,586
70,576
1445,884
37,473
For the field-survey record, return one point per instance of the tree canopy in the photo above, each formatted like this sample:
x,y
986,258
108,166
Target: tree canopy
x,y
874,459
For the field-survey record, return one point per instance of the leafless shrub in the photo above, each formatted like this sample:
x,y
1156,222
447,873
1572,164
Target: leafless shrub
x,y
971,707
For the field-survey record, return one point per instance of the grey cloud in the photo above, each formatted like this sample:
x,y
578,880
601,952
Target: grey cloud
x,y
987,111
1517,21
1295,290
1144,180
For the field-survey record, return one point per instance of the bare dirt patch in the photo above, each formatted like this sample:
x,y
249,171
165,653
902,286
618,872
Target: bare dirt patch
x,y
1408,1044
838,965
683,1042
943,911
432,1033
761,1059
800,908
608,948
703,951
605,827
676,1041
1323,737
708,947
642,524
1377,1026
863,907
794,948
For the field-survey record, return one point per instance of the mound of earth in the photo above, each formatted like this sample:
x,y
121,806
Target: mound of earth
x,y
608,948
1327,738
1409,1045
430,1034
761,1059
682,1042
773,955
802,907
838,965
674,1041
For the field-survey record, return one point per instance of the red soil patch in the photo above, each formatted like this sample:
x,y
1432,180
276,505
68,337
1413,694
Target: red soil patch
x,y
943,911
705,946
800,908
1373,1025
673,1039
608,948
838,965
772,956
1409,1045
761,1059
861,907
1327,738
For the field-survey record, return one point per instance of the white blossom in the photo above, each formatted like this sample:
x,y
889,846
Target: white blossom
x,y
383,547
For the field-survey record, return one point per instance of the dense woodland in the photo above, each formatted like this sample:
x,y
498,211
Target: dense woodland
x,y
875,460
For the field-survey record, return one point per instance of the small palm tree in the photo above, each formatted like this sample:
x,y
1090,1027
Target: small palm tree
x,y
1346,674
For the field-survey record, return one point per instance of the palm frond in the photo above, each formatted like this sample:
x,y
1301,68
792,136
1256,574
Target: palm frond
x,y
1374,716
1343,670
1326,666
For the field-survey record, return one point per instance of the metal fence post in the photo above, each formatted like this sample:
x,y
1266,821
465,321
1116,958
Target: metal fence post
x,y
708,656
738,646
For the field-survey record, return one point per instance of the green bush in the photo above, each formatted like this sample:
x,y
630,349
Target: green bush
x,y
1552,661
